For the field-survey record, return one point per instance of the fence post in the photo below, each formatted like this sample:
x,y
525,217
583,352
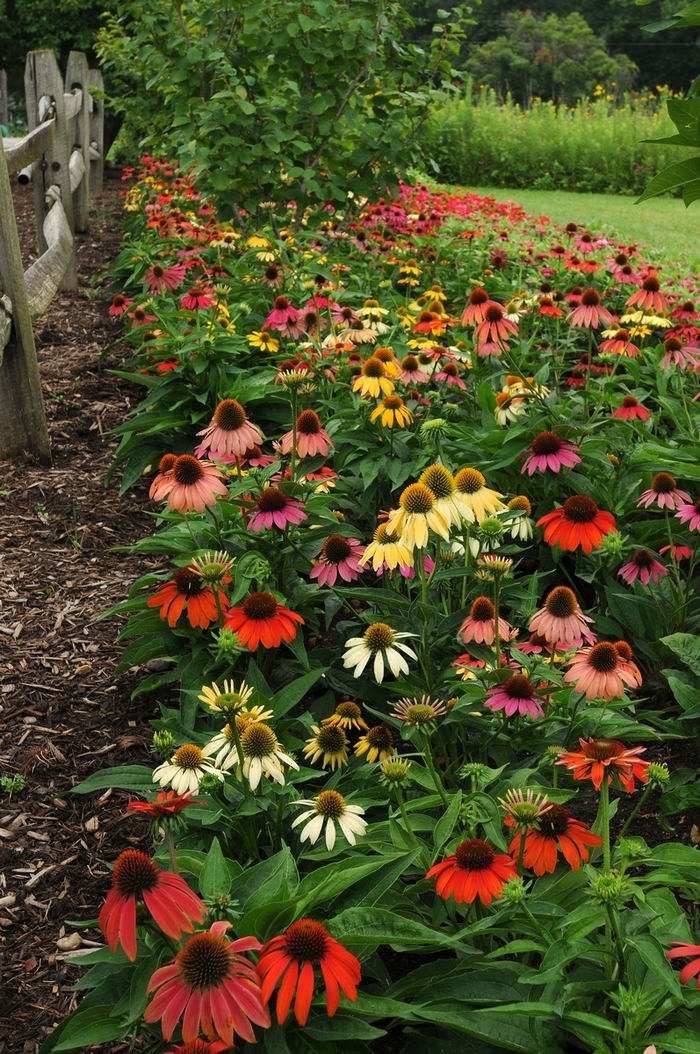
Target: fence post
x,y
79,135
21,402
4,101
97,133
42,78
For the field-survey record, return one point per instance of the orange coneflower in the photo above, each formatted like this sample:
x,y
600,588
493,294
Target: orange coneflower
x,y
261,620
187,589
474,870
556,828
600,759
579,522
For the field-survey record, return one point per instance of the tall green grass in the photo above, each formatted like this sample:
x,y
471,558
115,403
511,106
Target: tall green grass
x,y
594,147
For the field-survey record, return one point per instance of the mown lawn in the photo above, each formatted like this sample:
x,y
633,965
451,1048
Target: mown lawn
x,y
663,224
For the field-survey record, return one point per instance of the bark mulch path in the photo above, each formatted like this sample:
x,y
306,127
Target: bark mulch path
x,y
64,714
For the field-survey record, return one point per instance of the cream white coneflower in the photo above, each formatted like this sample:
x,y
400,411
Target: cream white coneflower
x,y
223,745
417,513
185,769
382,644
262,753
329,807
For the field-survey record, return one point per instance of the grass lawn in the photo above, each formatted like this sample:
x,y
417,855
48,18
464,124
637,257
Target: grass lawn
x,y
663,224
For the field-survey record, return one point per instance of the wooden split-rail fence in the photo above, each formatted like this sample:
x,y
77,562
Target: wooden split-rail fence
x,y
62,156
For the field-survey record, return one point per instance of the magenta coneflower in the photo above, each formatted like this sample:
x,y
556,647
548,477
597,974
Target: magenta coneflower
x,y
601,673
649,298
339,556
274,508
676,353
495,328
561,621
229,432
665,492
159,278
477,304
643,566
284,318
517,695
620,344
449,374
548,451
191,485
631,410
312,439
198,297
480,625
690,514
585,243
590,312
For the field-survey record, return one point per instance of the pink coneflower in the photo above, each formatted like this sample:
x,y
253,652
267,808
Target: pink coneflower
x,y
339,556
549,308
161,483
585,243
590,312
312,439
517,695
159,278
284,318
477,304
411,373
642,566
120,304
665,492
273,275
561,621
689,514
685,356
256,459
601,673
631,410
312,323
627,275
229,432
197,298
480,625
548,451
496,328
649,298
344,315
274,508
573,298
620,344
191,485
449,374
498,259
140,317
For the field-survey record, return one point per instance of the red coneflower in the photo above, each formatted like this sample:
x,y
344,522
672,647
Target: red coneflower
x,y
120,304
601,673
229,433
284,317
166,804
168,899
338,556
517,695
682,949
474,870
561,621
312,439
261,620
187,589
213,985
689,514
579,522
200,1046
643,566
590,312
198,297
274,508
649,298
292,957
555,828
480,625
549,308
429,322
631,410
600,759
685,312
547,450
665,492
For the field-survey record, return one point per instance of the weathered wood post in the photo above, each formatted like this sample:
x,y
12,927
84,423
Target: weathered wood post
x,y
79,137
21,402
43,87
97,133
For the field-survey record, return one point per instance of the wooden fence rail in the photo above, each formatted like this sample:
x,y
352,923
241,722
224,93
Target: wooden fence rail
x,y
62,155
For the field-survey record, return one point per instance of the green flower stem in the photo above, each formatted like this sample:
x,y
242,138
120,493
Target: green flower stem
x,y
170,842
292,463
645,794
430,762
404,814
521,849
543,932
604,814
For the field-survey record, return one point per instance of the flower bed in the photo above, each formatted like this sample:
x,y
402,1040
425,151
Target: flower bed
x,y
427,492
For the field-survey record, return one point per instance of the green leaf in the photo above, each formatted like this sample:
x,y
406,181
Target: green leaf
x,y
215,877
677,1041
687,647
122,777
673,176
445,825
292,693
374,926
341,1026
325,883
92,1025
490,1026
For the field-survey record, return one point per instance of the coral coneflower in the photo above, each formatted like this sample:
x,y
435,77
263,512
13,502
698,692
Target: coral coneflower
x,y
293,956
601,673
549,308
590,312
120,304
213,985
555,829
480,625
312,438
338,556
665,492
229,433
517,695
578,523
159,278
620,344
690,514
186,590
261,620
600,759
381,644
643,566
165,805
474,870
631,410
168,899
649,298
477,304
561,621
190,484
548,451
275,508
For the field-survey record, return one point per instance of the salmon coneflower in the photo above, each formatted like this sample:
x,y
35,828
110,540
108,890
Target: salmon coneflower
x,y
312,438
561,622
449,375
213,985
664,492
200,1046
186,590
338,556
477,303
555,829
162,482
292,957
643,566
601,673
690,514
578,523
474,870
600,759
159,278
190,485
165,805
590,312
167,897
261,620
411,373
631,410
480,625
275,508
229,432
548,451
517,695
649,298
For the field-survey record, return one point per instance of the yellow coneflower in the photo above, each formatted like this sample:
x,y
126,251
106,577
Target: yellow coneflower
x,y
393,412
373,379
387,548
264,341
347,715
391,364
330,743
474,495
417,513
377,744
441,482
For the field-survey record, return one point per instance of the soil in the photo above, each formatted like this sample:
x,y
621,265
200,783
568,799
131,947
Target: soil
x,y
63,711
